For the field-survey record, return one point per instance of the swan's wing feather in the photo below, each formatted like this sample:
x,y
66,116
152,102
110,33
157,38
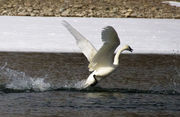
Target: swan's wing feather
x,y
86,47
109,35
104,56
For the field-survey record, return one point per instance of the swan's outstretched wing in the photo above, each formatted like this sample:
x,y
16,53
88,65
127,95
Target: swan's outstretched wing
x,y
105,55
86,47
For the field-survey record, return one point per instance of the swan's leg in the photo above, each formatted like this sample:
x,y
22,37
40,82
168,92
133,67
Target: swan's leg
x,y
95,81
91,81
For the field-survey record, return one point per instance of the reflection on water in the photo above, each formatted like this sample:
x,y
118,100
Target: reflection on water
x,y
42,84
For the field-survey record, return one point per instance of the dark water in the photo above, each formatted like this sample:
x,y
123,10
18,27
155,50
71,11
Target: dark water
x,y
48,85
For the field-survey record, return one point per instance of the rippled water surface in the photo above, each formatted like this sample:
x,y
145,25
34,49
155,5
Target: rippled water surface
x,y
49,85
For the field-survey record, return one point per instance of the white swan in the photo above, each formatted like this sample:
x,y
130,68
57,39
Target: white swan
x,y
102,62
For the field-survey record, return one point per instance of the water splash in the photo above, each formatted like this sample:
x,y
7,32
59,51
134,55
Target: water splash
x,y
75,84
18,80
37,84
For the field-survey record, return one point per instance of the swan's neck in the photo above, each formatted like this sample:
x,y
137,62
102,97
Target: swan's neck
x,y
116,57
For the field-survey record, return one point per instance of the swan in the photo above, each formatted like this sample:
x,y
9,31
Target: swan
x,y
103,62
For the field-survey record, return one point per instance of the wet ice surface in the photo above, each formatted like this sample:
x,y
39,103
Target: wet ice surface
x,y
42,84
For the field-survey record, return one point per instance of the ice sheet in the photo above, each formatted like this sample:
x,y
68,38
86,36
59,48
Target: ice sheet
x,y
172,3
47,34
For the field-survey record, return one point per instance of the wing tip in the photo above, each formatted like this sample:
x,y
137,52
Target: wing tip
x,y
108,27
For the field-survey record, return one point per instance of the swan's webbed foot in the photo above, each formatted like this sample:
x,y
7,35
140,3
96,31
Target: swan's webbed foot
x,y
95,82
91,82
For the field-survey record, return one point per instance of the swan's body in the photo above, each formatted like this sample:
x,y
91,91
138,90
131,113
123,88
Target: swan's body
x,y
103,62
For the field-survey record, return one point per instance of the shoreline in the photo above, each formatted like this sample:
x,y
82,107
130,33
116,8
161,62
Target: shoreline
x,y
90,8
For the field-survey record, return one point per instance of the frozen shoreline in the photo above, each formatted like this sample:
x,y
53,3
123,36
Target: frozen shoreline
x,y
46,34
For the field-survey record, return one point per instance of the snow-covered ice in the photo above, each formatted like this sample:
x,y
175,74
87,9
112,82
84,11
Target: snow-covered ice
x,y
47,34
172,3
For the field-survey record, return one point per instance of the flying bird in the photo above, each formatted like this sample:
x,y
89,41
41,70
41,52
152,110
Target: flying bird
x,y
102,62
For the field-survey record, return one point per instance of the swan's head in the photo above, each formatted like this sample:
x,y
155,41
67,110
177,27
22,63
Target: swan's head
x,y
127,47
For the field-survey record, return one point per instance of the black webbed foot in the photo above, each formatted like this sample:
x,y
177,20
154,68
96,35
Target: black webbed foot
x,y
94,82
